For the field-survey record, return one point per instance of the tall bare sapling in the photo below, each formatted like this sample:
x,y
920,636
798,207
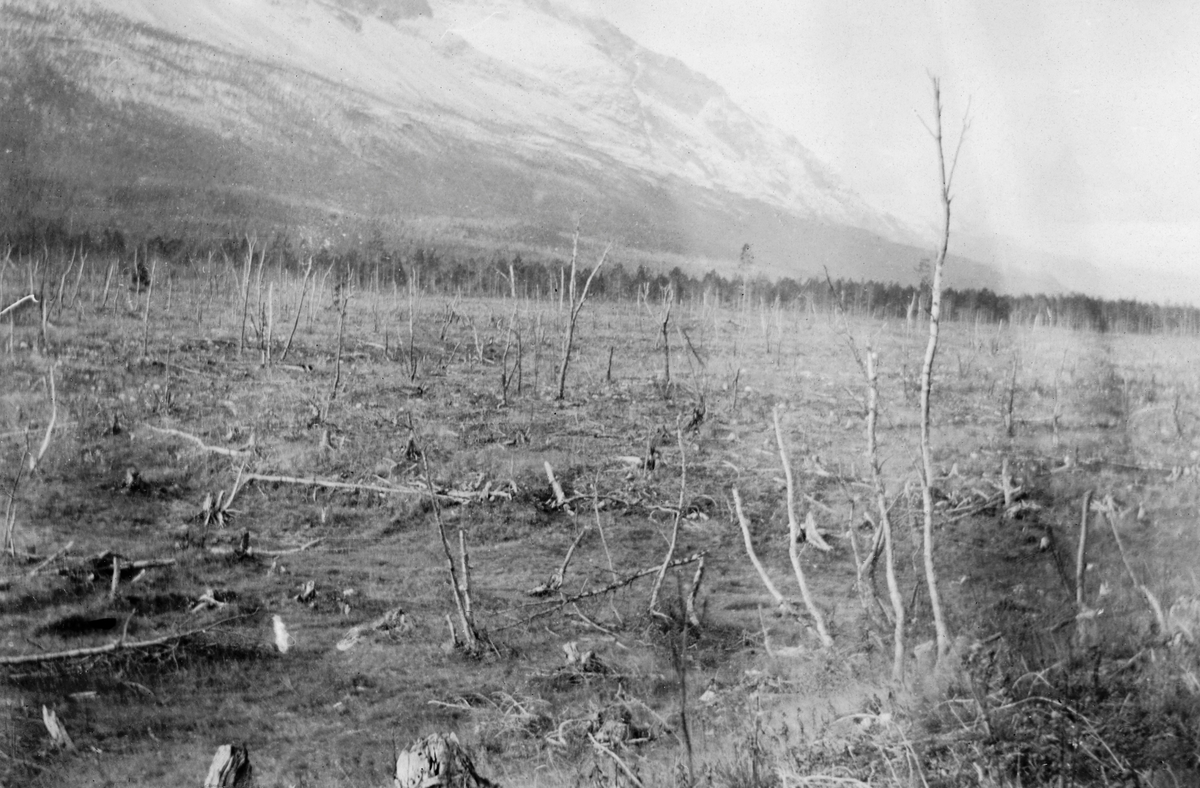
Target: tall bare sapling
x,y
946,180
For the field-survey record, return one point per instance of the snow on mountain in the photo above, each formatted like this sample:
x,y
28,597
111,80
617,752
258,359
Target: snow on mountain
x,y
529,77
502,109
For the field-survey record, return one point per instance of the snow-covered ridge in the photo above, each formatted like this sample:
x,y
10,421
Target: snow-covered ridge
x,y
525,78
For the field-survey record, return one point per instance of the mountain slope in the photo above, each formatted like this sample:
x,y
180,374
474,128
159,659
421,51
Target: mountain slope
x,y
504,116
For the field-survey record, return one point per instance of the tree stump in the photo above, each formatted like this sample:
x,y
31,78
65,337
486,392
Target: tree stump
x,y
230,768
438,761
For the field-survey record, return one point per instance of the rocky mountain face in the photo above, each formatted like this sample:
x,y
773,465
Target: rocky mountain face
x,y
498,119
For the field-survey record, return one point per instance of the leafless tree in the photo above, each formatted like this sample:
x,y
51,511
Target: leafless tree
x,y
946,175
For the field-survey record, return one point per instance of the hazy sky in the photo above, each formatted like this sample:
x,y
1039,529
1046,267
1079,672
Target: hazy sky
x,y
1085,135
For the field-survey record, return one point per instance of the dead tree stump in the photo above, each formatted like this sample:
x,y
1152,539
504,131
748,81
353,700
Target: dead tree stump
x,y
438,761
230,768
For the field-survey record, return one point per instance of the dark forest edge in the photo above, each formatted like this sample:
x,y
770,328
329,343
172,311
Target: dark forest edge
x,y
443,268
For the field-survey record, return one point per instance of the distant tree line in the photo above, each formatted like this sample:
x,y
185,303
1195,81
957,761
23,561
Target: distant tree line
x,y
372,262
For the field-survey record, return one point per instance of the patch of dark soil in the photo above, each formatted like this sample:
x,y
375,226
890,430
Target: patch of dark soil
x,y
78,624
38,599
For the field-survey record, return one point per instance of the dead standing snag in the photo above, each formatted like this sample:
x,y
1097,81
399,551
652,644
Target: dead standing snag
x,y
935,312
460,577
662,571
885,520
576,305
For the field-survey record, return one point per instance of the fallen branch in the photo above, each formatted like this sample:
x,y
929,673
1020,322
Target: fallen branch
x,y
616,585
50,560
249,551
16,304
333,484
120,644
98,563
200,444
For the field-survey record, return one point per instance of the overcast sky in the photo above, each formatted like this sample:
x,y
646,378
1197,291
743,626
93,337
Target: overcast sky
x,y
1085,135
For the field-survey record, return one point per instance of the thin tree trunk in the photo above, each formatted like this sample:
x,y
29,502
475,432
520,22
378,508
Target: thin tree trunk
x,y
885,520
935,311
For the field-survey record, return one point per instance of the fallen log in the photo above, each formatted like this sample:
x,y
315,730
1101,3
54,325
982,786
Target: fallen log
x,y
333,484
120,644
248,550
200,444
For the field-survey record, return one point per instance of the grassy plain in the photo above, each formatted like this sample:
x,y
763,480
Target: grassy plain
x,y
1033,695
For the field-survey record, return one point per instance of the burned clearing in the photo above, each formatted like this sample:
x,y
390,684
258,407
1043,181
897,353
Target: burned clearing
x,y
232,506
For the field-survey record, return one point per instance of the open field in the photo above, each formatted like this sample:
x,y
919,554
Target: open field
x,y
400,393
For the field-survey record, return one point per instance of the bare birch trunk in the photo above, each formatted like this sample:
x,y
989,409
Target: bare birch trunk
x,y
935,312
